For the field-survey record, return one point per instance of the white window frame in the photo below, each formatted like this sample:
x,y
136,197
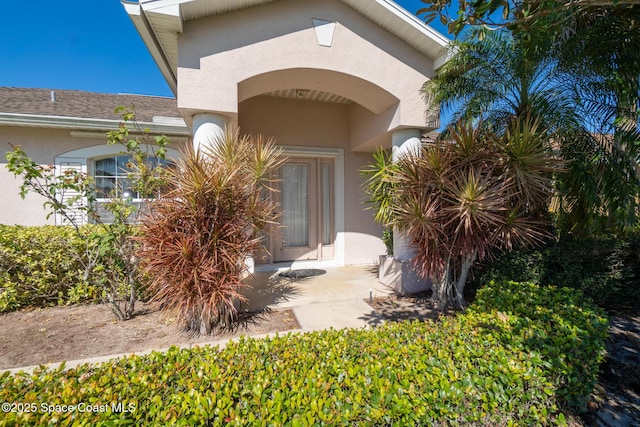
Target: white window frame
x,y
83,159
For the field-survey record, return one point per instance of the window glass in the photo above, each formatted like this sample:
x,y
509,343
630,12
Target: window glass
x,y
295,205
112,177
106,167
112,180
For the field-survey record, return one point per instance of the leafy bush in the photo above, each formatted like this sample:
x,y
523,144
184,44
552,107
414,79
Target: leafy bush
x,y
606,269
517,357
451,372
44,266
560,325
112,250
37,268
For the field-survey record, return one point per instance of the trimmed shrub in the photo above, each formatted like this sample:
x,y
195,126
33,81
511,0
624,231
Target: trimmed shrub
x,y
446,373
566,329
44,266
38,268
606,269
519,356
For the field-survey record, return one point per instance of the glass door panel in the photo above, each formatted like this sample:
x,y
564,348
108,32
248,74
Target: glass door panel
x,y
298,234
295,205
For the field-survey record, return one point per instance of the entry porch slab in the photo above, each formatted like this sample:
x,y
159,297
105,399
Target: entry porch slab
x,y
320,297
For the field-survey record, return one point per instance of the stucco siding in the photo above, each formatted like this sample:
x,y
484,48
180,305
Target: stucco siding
x,y
296,122
42,145
217,54
363,243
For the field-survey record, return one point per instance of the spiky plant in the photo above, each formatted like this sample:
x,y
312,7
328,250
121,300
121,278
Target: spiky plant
x,y
379,190
460,199
195,239
585,91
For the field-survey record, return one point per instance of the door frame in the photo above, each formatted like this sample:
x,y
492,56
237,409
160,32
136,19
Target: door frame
x,y
338,184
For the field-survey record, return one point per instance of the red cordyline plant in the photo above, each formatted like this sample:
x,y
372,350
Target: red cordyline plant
x,y
459,200
195,240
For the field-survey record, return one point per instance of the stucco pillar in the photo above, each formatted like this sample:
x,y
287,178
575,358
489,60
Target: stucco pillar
x,y
397,272
207,127
404,142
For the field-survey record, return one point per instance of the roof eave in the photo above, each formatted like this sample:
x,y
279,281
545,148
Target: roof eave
x,y
160,21
432,40
81,123
144,28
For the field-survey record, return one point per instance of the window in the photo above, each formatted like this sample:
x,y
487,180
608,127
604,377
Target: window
x,y
112,180
111,175
109,170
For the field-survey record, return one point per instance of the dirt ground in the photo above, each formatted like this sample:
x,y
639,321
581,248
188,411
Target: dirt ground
x,y
38,336
48,335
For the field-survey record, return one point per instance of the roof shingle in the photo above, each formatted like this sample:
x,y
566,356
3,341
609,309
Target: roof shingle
x,y
90,105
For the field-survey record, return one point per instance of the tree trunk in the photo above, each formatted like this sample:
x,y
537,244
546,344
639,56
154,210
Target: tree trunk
x,y
442,289
443,295
132,282
467,262
114,306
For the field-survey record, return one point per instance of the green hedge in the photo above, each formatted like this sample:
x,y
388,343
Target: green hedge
x,y
510,360
400,374
42,266
566,329
606,269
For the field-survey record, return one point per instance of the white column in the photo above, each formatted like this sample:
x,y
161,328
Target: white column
x,y
404,142
207,127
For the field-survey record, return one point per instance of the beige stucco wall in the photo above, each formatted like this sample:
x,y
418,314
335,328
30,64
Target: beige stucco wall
x,y
296,122
321,124
16,211
42,145
226,59
363,242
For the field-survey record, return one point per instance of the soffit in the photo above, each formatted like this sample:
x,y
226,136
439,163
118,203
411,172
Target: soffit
x,y
310,95
160,21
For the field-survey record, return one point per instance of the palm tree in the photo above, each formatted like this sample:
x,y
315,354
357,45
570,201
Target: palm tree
x,y
599,47
495,75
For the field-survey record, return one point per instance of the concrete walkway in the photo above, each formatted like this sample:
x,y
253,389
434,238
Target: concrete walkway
x,y
321,299
328,298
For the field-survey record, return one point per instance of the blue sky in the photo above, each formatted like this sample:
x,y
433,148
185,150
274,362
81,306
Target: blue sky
x,y
83,44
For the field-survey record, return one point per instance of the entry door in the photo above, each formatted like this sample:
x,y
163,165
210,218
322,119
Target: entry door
x,y
298,235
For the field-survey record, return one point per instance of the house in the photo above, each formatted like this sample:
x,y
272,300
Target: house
x,y
329,80
67,128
